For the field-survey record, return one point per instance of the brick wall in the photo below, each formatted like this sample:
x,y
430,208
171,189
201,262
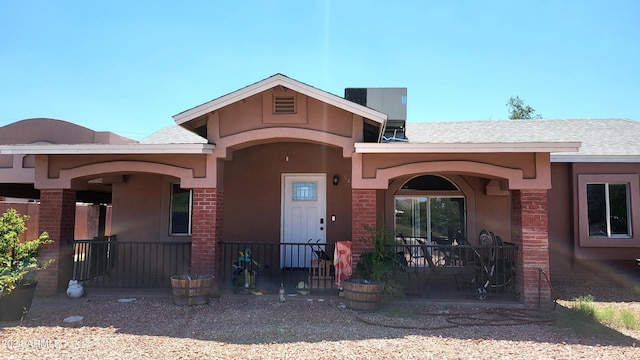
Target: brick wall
x,y
363,210
530,233
206,231
57,218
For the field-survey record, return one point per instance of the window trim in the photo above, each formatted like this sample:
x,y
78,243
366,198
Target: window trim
x,y
171,194
633,196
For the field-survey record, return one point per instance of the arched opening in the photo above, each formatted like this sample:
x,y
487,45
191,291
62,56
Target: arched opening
x,y
430,209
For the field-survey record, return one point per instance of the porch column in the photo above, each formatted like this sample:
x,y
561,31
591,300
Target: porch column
x,y
206,230
530,233
57,217
363,211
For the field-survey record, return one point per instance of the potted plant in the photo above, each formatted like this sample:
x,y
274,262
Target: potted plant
x,y
18,265
375,273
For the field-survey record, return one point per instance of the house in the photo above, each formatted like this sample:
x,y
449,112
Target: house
x,y
282,162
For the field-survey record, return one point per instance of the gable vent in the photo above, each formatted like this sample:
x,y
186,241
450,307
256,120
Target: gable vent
x,y
284,105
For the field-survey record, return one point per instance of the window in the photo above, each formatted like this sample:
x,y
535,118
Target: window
x,y
430,208
608,210
180,222
305,191
438,219
605,207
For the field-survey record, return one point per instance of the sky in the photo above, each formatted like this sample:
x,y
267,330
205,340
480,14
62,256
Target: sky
x,y
129,66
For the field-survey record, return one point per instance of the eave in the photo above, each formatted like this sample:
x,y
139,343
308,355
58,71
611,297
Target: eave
x,y
94,149
574,158
405,148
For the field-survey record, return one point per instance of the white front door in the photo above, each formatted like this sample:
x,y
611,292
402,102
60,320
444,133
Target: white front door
x,y
303,217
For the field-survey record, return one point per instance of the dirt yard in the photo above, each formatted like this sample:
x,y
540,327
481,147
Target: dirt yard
x,y
310,327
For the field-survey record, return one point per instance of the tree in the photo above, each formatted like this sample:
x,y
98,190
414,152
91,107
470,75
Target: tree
x,y
518,110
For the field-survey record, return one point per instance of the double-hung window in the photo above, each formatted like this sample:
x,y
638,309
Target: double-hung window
x,y
180,222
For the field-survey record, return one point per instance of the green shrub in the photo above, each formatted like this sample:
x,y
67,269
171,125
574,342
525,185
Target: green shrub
x,y
18,260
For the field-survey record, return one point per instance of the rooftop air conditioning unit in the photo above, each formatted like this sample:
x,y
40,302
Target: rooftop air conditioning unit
x,y
391,101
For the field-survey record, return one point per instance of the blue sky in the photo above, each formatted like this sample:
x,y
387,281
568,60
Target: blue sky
x,y
128,66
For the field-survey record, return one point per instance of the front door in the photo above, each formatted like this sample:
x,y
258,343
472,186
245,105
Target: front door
x,y
303,217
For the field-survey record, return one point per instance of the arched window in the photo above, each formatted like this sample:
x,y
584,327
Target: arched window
x,y
430,209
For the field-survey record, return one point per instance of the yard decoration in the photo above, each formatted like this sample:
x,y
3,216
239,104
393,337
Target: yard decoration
x,y
75,290
376,272
245,269
18,264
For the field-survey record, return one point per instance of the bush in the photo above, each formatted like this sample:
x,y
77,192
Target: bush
x,y
382,263
18,260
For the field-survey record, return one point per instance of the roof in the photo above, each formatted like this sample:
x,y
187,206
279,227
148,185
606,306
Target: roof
x,y
54,131
271,82
49,132
173,134
601,139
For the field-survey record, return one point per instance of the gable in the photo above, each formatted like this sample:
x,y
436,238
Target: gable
x,y
292,110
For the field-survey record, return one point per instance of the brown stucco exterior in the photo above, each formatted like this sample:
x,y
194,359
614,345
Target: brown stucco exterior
x,y
521,196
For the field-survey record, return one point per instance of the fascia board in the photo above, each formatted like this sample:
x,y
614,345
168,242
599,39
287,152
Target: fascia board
x,y
79,149
559,158
381,148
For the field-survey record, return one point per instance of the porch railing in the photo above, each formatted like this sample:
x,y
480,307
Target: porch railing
x,y
431,269
107,262
482,270
267,265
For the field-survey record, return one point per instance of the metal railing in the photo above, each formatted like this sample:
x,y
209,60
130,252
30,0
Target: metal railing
x,y
431,268
107,262
483,270
263,265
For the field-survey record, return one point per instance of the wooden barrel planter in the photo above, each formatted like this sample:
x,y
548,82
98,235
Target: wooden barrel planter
x,y
361,295
191,290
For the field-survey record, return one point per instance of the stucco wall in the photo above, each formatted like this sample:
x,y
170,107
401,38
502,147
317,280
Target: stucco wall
x,y
252,186
492,212
140,208
256,112
560,219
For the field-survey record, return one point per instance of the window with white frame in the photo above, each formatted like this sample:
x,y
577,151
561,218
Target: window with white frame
x,y
608,209
605,208
180,222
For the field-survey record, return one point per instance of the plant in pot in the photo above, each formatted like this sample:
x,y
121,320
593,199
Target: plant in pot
x,y
376,272
18,264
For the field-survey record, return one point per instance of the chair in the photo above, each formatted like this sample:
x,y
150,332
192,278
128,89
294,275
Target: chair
x,y
412,251
320,274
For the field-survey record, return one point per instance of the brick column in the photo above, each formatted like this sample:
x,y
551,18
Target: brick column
x,y
363,211
206,231
57,217
530,233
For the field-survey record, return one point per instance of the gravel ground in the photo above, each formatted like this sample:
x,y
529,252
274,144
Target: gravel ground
x,y
259,327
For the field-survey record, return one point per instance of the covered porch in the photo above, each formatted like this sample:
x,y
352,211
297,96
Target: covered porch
x,y
445,272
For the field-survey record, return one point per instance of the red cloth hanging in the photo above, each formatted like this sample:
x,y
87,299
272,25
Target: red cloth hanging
x,y
342,261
